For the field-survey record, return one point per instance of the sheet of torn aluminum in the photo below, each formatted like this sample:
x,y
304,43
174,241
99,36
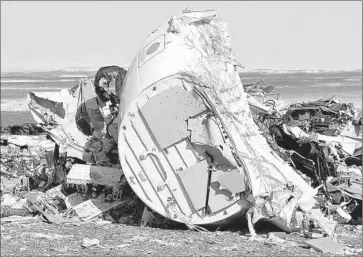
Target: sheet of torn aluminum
x,y
325,245
90,174
193,51
72,118
77,118
43,113
349,140
94,207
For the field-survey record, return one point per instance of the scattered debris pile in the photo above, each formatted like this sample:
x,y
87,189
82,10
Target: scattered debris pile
x,y
323,141
185,140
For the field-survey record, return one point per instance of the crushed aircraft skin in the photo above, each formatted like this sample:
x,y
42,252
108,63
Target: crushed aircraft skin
x,y
188,144
326,116
328,155
81,120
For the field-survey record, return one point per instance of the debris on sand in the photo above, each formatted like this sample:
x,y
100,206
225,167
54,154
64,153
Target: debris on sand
x,y
87,242
325,245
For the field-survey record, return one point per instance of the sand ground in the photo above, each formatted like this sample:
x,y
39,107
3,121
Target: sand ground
x,y
42,239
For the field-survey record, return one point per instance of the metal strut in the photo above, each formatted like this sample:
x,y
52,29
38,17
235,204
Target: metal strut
x,y
210,168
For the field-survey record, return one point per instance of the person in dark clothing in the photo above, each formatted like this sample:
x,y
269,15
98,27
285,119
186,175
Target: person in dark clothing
x,y
109,73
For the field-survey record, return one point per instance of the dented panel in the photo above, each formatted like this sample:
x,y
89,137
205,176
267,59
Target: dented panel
x,y
167,112
194,180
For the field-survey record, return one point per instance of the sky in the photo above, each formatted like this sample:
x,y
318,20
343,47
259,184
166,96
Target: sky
x,y
265,35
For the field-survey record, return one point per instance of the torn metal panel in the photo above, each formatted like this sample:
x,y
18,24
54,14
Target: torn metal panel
x,y
187,153
94,207
233,181
352,189
75,118
194,180
206,136
166,114
52,109
90,174
219,197
71,122
325,245
349,143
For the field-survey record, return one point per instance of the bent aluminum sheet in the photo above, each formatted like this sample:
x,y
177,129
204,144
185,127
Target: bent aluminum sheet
x,y
70,117
91,174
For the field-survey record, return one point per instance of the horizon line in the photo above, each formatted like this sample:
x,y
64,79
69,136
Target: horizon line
x,y
91,68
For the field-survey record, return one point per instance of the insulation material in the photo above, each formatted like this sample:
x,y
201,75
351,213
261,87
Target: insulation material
x,y
211,69
278,206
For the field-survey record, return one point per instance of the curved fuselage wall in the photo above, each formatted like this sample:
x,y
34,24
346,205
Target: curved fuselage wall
x,y
197,53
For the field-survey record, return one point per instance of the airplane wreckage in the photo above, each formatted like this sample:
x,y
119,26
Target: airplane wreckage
x,y
194,144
